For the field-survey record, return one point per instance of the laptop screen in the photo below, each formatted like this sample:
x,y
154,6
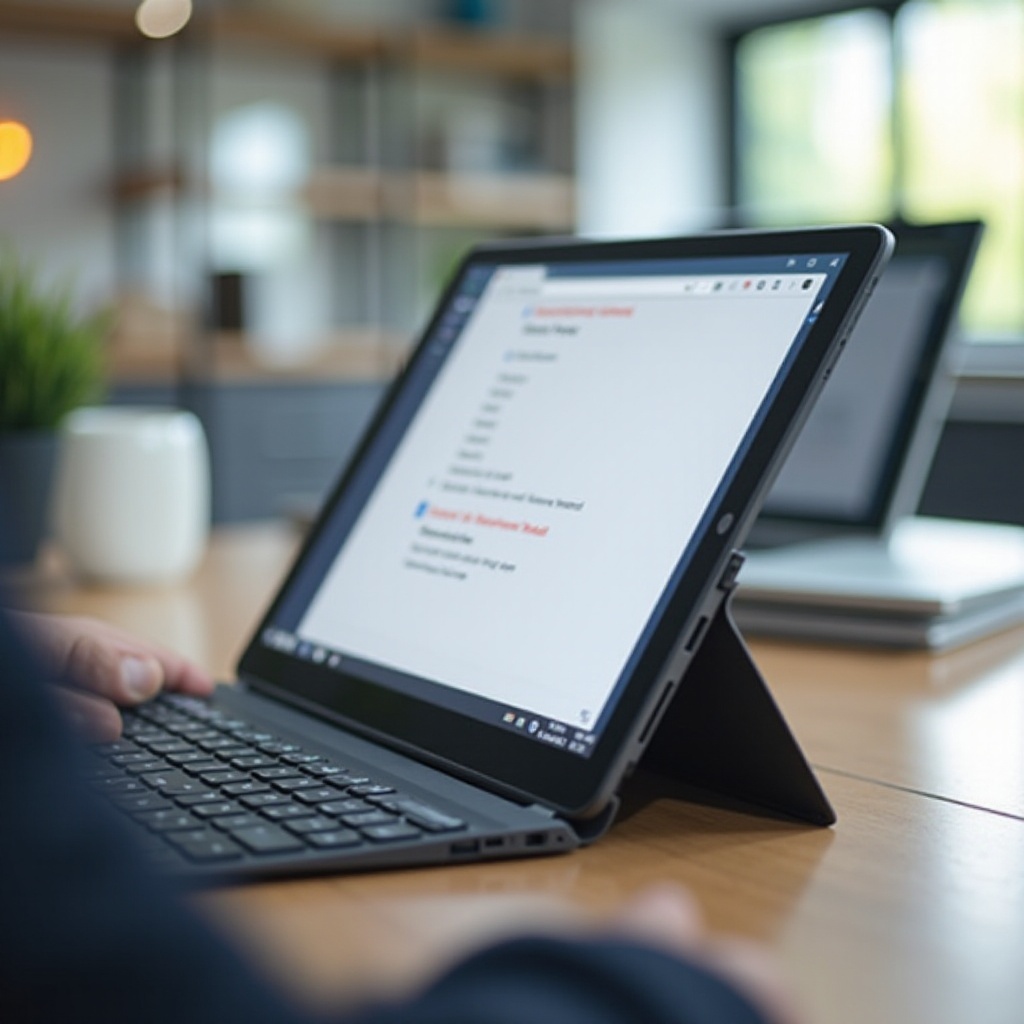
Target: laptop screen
x,y
508,541
860,463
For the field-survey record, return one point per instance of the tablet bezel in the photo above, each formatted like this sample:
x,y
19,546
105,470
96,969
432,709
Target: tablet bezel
x,y
499,758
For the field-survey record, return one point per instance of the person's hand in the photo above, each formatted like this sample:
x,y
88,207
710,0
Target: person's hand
x,y
100,668
667,917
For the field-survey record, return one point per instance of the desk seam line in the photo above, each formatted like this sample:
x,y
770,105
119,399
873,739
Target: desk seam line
x,y
918,792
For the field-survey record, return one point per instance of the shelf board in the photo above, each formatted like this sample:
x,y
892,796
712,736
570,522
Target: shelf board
x,y
484,52
489,52
69,22
320,38
514,201
437,48
543,202
356,354
147,183
345,193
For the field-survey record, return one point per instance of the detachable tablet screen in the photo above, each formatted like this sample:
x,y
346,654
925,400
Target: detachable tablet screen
x,y
542,504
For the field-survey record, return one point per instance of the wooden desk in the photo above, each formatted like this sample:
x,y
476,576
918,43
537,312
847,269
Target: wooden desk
x,y
910,910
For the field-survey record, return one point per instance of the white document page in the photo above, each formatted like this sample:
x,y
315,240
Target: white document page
x,y
522,533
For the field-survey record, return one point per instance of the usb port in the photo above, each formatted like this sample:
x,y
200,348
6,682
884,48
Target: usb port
x,y
698,632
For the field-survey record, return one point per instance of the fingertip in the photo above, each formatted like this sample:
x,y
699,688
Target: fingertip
x,y
193,681
666,914
141,677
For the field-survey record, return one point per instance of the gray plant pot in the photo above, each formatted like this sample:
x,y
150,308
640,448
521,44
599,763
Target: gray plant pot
x,y
27,462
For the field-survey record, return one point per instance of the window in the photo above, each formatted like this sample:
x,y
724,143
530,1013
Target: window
x,y
913,109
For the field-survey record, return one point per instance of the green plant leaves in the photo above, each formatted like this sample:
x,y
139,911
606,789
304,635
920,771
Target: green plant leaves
x,y
51,358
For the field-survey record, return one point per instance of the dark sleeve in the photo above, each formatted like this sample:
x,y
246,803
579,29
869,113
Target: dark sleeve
x,y
89,933
536,981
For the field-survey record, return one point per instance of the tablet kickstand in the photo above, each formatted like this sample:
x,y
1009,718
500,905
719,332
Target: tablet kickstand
x,y
724,734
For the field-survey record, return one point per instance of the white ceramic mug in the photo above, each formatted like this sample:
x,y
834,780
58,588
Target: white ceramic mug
x,y
132,494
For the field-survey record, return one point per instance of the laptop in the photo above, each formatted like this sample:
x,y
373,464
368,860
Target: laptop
x,y
930,584
511,585
862,461
850,562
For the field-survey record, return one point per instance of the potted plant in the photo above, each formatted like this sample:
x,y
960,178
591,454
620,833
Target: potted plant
x,y
51,361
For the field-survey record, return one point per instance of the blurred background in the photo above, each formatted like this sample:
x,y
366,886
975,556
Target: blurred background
x,y
269,195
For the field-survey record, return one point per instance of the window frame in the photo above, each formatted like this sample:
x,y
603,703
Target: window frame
x,y
984,367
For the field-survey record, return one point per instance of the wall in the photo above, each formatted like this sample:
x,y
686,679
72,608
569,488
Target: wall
x,y
649,120
57,212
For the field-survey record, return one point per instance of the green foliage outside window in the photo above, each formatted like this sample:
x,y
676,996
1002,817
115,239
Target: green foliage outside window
x,y
828,132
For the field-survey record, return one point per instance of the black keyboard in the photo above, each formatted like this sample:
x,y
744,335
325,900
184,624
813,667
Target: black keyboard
x,y
211,788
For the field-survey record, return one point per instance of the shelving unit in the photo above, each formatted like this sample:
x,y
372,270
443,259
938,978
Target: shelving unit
x,y
386,187
394,185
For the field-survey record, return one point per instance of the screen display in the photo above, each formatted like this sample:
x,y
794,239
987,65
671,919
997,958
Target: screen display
x,y
504,541
845,452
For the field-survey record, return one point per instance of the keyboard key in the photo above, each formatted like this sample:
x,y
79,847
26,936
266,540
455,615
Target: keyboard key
x,y
223,777
340,807
423,815
323,771
196,734
205,846
277,747
330,840
347,780
244,788
117,747
187,757
228,754
148,737
194,731
233,821
174,746
278,812
206,764
218,743
203,796
290,785
173,783
266,839
316,795
216,809
132,757
168,821
133,803
258,800
154,764
318,823
300,758
371,789
364,818
391,833
249,761
270,774
245,734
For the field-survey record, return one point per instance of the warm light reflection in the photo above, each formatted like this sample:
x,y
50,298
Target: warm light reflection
x,y
159,19
15,148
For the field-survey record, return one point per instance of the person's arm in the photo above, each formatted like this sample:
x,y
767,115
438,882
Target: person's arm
x,y
92,933
97,668
653,962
